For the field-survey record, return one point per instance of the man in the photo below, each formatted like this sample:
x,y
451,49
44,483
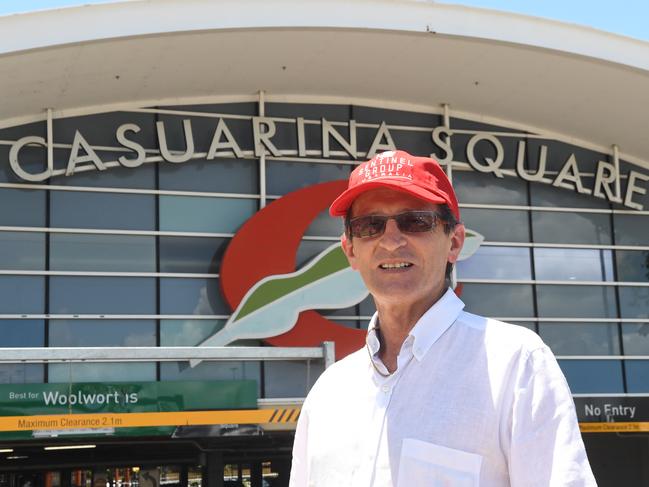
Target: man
x,y
438,397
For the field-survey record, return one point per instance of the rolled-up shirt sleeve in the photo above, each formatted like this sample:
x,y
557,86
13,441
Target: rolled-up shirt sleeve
x,y
544,443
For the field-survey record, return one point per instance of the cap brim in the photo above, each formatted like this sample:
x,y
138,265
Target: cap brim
x,y
341,205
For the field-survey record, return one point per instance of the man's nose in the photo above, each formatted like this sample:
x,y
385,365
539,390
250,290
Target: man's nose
x,y
392,237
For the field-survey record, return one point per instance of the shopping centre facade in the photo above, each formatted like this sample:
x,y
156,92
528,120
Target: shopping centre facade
x,y
158,178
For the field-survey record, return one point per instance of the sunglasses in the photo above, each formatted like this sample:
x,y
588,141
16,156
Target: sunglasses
x,y
407,222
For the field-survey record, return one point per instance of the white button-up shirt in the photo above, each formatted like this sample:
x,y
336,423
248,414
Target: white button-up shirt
x,y
473,402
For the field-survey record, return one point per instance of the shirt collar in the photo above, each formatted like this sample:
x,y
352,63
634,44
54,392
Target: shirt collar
x,y
432,324
372,340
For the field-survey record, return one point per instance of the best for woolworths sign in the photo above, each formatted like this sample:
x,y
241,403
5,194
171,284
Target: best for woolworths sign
x,y
28,410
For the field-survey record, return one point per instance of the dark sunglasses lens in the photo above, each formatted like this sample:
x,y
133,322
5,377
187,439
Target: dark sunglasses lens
x,y
373,225
415,222
367,226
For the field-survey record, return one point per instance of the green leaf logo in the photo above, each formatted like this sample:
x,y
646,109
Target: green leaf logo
x,y
271,307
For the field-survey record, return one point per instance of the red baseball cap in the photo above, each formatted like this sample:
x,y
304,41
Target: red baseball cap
x,y
421,177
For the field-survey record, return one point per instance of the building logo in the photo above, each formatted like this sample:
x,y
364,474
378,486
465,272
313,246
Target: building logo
x,y
275,302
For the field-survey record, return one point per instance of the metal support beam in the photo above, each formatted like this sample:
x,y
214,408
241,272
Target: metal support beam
x,y
213,476
164,354
328,353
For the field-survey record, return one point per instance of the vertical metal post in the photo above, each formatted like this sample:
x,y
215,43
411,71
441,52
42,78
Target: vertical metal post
x,y
184,475
214,470
256,474
616,164
262,158
50,142
329,353
449,173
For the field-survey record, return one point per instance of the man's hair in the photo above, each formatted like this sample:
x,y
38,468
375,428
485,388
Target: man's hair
x,y
450,222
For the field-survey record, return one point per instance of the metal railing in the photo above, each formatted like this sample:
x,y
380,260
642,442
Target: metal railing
x,y
325,352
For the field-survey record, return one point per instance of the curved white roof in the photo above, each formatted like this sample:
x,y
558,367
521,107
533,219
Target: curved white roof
x,y
553,77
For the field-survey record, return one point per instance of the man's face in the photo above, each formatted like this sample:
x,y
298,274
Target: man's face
x,y
381,259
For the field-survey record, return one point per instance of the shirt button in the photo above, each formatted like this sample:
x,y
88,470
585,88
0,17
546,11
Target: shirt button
x,y
385,388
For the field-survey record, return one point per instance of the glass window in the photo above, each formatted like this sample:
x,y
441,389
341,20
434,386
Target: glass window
x,y
395,117
573,264
498,225
99,128
22,250
631,229
634,302
210,371
632,265
72,209
581,338
498,300
142,177
308,249
290,379
484,150
407,140
560,152
102,295
593,376
576,301
573,228
548,195
102,372
219,175
635,338
326,226
235,108
286,132
283,177
22,333
21,373
637,375
202,214
102,333
530,325
496,263
191,297
32,159
22,294
206,370
641,199
477,187
187,333
310,111
192,254
110,253
366,308
18,131
22,207
203,130
331,315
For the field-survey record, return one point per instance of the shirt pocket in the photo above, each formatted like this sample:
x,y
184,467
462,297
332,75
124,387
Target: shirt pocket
x,y
430,465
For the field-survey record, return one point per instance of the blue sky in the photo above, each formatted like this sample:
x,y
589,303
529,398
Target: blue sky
x,y
626,17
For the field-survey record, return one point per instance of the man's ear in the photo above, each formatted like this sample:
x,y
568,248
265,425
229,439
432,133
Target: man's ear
x,y
457,241
348,249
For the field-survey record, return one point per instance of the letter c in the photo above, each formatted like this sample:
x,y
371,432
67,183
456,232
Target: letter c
x,y
15,164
